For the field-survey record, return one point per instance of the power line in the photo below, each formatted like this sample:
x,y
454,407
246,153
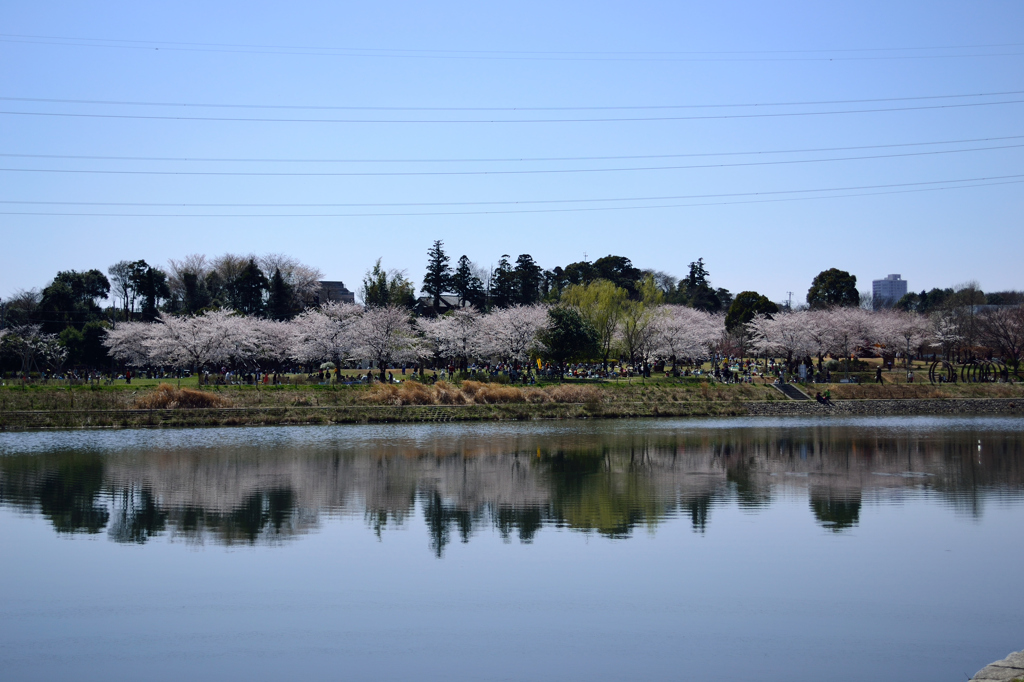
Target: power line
x,y
206,105
599,52
904,187
532,171
857,54
543,210
507,120
505,159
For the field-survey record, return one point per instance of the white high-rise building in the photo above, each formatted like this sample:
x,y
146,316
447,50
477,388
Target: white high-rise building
x,y
885,292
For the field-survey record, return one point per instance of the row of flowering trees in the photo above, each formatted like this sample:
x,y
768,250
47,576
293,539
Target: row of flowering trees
x,y
385,336
839,332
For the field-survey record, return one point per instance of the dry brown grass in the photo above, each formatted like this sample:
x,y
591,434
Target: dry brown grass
x,y
566,393
479,393
168,397
492,394
408,393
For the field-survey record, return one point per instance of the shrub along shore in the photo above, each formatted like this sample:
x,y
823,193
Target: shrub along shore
x,y
165,404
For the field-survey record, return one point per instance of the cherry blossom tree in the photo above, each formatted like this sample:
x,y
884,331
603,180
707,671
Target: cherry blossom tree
x,y
26,340
846,329
788,334
386,335
326,333
456,335
900,331
1003,330
684,332
127,342
192,341
510,334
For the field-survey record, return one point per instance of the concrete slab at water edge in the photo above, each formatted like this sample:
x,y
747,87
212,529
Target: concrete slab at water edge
x,y
1010,668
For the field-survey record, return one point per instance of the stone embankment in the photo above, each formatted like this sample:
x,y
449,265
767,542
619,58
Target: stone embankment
x,y
885,407
1010,668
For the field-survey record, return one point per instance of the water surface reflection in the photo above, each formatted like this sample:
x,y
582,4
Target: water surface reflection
x,y
249,486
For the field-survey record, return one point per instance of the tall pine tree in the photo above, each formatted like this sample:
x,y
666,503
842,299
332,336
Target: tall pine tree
x,y
438,279
503,284
467,285
279,300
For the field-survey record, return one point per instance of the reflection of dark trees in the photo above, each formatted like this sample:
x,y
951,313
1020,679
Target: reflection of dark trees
x,y
440,518
699,508
262,514
64,487
607,483
835,511
67,496
137,518
526,522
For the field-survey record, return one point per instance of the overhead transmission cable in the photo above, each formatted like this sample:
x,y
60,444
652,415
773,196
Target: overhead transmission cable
x,y
531,171
623,119
199,159
209,105
847,54
864,190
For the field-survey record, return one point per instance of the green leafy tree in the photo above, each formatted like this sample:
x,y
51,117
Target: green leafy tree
x,y
602,303
743,309
74,342
833,287
381,288
71,300
569,337
438,279
618,270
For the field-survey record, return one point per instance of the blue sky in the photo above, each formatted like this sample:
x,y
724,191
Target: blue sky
x,y
522,55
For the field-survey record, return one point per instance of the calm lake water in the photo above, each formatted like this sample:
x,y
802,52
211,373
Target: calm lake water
x,y
733,549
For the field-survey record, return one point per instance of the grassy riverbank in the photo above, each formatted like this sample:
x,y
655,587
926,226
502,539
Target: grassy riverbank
x,y
150,404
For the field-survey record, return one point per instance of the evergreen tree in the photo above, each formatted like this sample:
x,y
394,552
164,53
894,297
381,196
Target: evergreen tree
x,y
381,288
197,295
528,279
438,279
248,289
503,285
152,288
279,300
745,307
467,285
699,293
833,287
71,300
